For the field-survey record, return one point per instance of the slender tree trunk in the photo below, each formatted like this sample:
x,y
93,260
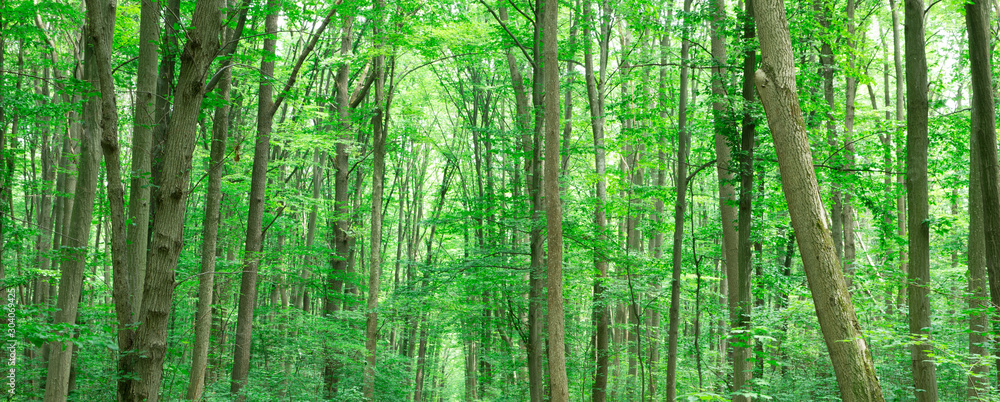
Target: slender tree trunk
x,y
922,351
142,141
75,245
255,214
210,231
851,93
378,177
725,135
595,97
900,150
742,365
680,179
852,361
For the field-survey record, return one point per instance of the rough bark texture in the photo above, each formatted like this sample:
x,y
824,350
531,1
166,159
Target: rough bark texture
x,y
984,132
680,181
558,381
168,223
341,206
918,290
852,361
976,18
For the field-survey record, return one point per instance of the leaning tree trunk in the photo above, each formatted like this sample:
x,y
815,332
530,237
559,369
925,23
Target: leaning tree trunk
x,y
852,361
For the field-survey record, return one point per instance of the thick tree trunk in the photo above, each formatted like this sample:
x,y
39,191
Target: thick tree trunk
x,y
918,292
852,361
978,384
680,181
168,223
984,134
558,381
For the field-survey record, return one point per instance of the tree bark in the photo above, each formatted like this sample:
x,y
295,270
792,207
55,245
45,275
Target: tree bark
x,y
918,291
852,361
142,141
558,381
742,365
984,134
168,222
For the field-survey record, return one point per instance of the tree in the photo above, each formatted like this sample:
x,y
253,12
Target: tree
x,y
168,221
918,291
984,160
852,361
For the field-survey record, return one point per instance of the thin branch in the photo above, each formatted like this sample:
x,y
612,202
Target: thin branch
x,y
509,33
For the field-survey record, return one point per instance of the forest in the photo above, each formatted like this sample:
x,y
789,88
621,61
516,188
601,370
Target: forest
x,y
499,200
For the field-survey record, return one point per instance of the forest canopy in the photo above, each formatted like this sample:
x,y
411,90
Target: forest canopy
x,y
364,200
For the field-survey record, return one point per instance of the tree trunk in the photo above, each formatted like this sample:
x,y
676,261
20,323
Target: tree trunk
x,y
341,206
378,177
168,222
74,253
595,97
742,365
984,133
558,381
900,151
852,361
978,384
255,214
680,180
142,140
922,351
210,231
